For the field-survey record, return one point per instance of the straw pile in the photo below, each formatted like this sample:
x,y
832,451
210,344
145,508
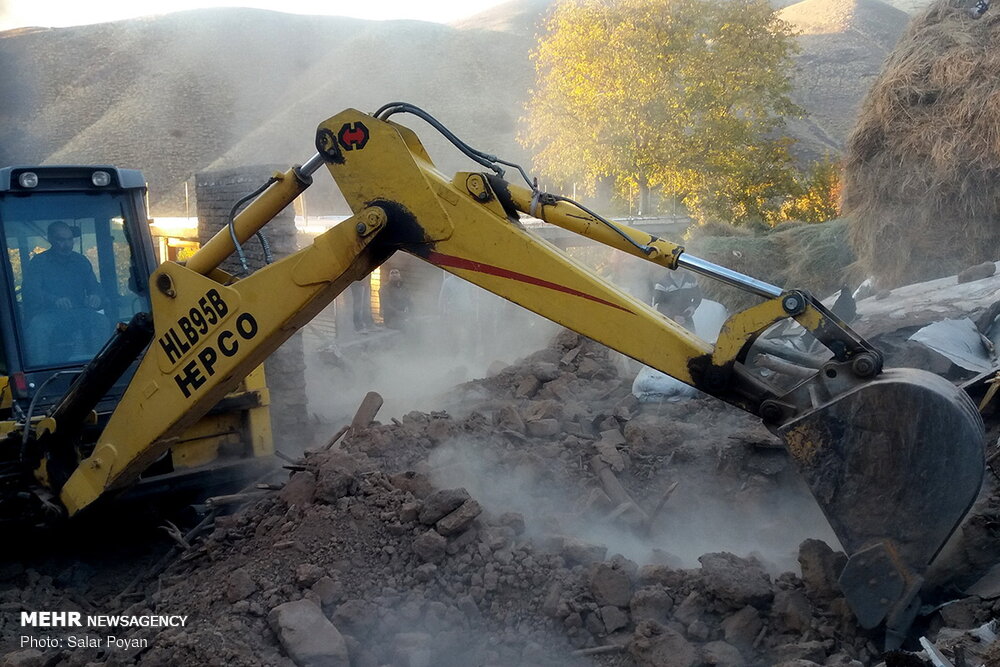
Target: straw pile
x,y
922,166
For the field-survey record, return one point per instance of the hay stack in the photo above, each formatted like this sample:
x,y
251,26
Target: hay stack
x,y
922,166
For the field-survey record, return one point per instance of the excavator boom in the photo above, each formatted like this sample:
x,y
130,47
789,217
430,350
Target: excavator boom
x,y
894,458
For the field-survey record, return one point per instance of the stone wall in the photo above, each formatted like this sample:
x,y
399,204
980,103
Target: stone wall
x,y
217,191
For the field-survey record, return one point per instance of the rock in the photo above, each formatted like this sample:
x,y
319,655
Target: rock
x,y
240,586
568,339
961,614
356,617
607,448
627,566
336,484
425,572
528,387
508,417
411,481
610,585
328,590
588,368
545,372
441,503
612,438
653,645
813,651
734,580
741,629
699,630
29,657
841,660
651,603
439,430
408,512
300,489
690,609
821,567
307,636
614,618
977,272
547,409
553,598
462,541
578,552
793,610
430,547
594,625
722,654
543,428
308,574
457,521
665,575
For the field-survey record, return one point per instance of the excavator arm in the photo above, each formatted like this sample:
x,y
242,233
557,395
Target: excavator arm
x,y
894,458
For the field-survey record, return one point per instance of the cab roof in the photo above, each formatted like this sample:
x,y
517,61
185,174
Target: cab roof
x,y
72,178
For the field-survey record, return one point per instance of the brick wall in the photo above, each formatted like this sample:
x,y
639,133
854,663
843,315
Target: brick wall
x,y
216,193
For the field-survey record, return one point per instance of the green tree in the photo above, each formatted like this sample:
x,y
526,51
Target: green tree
x,y
817,194
686,97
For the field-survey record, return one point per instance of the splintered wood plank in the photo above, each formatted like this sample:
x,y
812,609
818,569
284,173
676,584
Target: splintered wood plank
x,y
369,407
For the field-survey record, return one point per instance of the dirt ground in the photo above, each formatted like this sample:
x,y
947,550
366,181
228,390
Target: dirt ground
x,y
544,517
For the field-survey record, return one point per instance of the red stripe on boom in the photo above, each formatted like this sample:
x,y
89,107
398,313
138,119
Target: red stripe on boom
x,y
470,265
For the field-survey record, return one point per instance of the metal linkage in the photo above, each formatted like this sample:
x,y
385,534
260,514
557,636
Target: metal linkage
x,y
728,276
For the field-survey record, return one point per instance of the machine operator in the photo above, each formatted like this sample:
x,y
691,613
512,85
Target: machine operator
x,y
61,297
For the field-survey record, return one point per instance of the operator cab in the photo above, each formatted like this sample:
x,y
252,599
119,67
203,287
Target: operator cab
x,y
77,255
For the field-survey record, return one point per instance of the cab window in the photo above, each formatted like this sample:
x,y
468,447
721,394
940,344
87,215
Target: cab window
x,y
73,271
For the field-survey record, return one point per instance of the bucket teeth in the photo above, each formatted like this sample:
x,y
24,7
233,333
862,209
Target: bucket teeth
x,y
895,464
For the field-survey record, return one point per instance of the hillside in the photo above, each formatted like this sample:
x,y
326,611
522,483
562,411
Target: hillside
x,y
181,93
843,44
190,91
519,17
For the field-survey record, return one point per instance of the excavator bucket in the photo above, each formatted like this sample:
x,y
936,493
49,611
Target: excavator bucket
x,y
895,464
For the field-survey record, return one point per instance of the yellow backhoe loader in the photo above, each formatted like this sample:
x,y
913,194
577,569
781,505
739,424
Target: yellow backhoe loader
x,y
74,297
895,458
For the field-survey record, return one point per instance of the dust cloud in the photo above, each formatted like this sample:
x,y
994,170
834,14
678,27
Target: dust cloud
x,y
414,369
769,522
418,369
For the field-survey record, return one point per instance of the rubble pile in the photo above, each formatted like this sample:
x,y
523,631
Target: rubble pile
x,y
349,565
547,519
